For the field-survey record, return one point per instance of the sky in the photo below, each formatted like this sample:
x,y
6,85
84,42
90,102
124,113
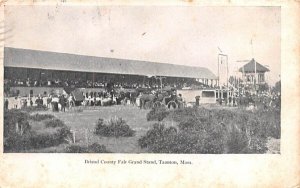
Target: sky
x,y
186,35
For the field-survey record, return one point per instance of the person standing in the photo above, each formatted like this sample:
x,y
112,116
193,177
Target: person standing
x,y
62,102
41,102
55,101
233,101
197,100
37,101
25,103
49,99
19,103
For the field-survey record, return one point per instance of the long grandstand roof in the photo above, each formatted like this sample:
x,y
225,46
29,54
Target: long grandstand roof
x,y
16,57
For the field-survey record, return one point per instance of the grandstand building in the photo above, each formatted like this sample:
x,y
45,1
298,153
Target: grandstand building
x,y
33,72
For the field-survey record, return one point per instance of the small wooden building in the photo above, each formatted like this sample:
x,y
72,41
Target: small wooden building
x,y
253,73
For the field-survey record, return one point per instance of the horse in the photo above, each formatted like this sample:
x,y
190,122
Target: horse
x,y
132,97
146,98
49,99
120,98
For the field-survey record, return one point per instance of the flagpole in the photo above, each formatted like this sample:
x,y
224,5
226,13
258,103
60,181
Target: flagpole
x,y
255,72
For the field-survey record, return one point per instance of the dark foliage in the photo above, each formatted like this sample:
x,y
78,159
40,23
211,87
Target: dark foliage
x,y
157,114
167,140
48,140
14,118
203,130
54,123
116,127
23,138
32,140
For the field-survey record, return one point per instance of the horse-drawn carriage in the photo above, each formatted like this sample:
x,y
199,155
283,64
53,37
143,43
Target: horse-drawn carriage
x,y
163,98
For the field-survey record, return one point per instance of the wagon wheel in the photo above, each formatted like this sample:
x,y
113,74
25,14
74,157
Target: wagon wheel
x,y
172,105
157,104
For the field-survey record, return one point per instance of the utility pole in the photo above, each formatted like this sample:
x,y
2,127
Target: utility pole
x,y
255,72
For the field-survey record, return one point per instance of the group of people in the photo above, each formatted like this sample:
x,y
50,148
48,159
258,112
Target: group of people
x,y
78,83
19,103
263,101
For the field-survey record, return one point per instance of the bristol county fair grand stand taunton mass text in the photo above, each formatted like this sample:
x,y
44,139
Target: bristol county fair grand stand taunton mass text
x,y
134,162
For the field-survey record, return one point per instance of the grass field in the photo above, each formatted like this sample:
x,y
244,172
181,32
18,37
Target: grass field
x,y
83,123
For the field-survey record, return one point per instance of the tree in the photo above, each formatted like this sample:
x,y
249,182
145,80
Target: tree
x,y
277,87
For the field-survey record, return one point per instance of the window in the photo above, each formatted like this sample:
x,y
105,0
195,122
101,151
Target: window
x,y
208,93
261,77
31,92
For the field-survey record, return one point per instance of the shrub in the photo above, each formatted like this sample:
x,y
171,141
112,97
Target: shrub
x,y
76,149
237,142
184,113
54,123
94,148
97,148
157,132
44,140
13,120
16,141
41,117
115,127
63,134
32,140
157,114
167,140
270,120
191,124
215,131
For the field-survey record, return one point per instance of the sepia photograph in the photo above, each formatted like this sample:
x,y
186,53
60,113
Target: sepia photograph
x,y
142,79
